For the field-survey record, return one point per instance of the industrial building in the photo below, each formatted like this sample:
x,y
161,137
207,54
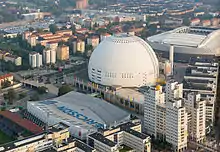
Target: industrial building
x,y
83,113
188,41
123,60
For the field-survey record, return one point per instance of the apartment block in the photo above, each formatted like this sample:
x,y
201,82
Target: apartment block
x,y
63,52
196,109
176,124
35,59
117,138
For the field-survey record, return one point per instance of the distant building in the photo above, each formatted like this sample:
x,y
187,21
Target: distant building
x,y
63,52
174,21
26,34
78,46
82,30
14,59
88,23
195,22
206,23
93,40
32,40
104,36
49,56
215,21
65,32
124,18
52,45
81,4
35,60
35,16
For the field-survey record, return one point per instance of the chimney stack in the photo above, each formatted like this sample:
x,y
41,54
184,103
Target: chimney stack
x,y
171,57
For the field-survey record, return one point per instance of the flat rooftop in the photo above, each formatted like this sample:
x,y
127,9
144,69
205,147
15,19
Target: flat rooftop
x,y
68,108
102,139
184,36
131,94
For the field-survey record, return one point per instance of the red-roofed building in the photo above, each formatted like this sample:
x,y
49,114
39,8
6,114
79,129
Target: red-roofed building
x,y
206,23
195,21
82,30
6,77
14,125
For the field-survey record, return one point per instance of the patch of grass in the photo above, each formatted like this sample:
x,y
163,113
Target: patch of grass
x,y
4,138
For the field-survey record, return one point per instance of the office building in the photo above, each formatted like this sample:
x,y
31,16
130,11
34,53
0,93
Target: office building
x,y
196,109
93,41
63,52
81,4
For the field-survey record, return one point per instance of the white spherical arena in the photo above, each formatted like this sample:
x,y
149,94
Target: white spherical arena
x,y
123,60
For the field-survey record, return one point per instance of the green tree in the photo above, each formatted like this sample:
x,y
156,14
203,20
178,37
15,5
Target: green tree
x,y
73,28
10,96
39,48
186,21
34,97
53,28
63,28
22,95
64,89
31,29
88,47
42,90
40,30
6,84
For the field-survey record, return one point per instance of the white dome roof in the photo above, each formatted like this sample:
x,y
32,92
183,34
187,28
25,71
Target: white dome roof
x,y
123,60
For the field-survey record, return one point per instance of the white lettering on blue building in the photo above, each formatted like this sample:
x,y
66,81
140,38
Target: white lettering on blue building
x,y
80,117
